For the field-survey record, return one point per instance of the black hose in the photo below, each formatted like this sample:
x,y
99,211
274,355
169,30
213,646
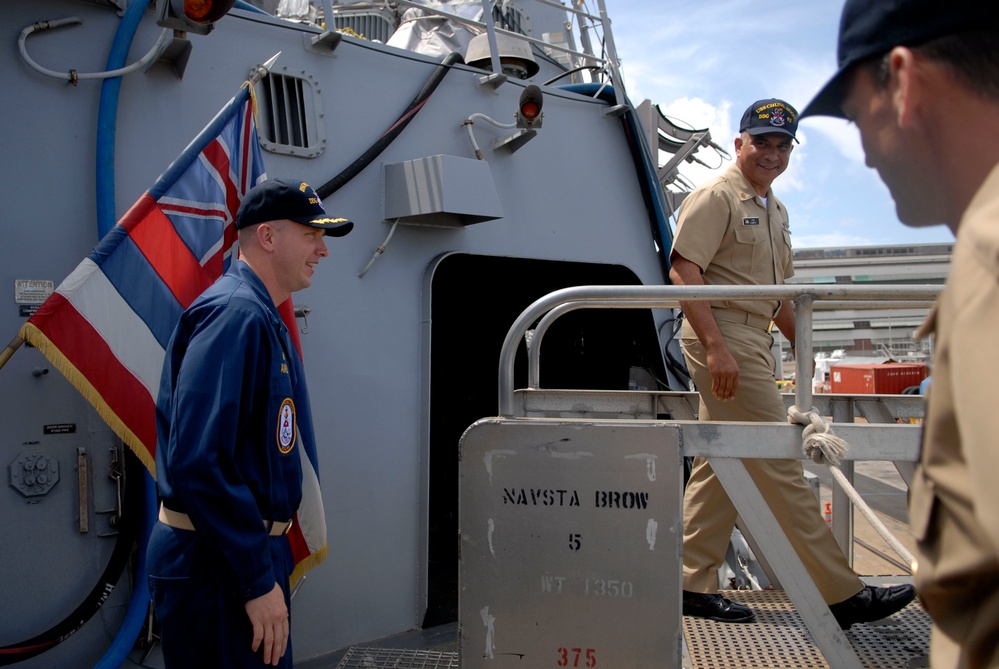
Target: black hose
x,y
678,367
573,71
127,534
365,159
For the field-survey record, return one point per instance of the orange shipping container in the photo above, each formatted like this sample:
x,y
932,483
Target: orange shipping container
x,y
889,378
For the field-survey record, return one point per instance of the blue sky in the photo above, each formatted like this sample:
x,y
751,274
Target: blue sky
x,y
704,61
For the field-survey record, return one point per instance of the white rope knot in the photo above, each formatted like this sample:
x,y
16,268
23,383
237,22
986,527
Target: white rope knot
x,y
820,444
817,439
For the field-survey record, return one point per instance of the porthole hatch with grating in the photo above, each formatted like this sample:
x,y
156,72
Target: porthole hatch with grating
x,y
291,114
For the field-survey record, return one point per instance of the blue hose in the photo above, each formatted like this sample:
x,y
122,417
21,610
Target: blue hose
x,y
107,113
138,607
106,219
240,4
645,164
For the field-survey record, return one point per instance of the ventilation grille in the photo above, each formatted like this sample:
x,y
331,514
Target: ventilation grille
x,y
290,113
370,25
512,18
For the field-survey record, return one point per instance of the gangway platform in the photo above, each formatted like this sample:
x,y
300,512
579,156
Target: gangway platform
x,y
777,640
534,485
780,639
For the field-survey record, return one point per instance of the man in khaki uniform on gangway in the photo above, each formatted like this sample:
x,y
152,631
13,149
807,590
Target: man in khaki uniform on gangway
x,y
734,231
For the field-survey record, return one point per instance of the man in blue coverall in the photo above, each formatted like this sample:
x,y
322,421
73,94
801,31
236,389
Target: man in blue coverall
x,y
232,415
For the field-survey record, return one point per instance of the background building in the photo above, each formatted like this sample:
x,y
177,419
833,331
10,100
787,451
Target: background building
x,y
857,332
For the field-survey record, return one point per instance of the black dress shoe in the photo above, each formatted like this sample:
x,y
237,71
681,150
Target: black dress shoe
x,y
716,607
872,604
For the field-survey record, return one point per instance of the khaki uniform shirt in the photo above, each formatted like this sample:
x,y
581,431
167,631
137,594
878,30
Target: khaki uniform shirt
x,y
736,241
954,506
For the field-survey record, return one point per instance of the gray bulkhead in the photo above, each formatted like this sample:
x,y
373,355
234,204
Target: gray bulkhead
x,y
400,361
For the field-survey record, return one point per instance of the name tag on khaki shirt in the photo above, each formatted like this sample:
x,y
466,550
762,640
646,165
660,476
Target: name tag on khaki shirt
x,y
750,220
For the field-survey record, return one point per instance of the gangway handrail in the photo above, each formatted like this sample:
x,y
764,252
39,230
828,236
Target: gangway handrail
x,y
669,297
534,350
726,453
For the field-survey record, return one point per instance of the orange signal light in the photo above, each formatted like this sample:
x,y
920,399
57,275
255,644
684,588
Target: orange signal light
x,y
529,114
530,110
196,16
207,11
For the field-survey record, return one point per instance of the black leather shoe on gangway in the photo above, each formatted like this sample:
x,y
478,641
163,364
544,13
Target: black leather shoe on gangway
x,y
716,607
869,604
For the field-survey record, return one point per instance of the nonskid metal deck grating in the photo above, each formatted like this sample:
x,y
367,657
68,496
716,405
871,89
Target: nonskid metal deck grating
x,y
779,638
360,657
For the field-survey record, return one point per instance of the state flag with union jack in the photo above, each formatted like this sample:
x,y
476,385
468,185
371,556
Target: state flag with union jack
x,y
107,325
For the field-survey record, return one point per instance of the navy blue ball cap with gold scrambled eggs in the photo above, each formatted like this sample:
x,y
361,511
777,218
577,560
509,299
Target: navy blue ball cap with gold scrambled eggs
x,y
771,115
279,199
871,28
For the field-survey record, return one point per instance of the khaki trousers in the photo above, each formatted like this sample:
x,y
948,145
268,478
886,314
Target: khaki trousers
x,y
708,514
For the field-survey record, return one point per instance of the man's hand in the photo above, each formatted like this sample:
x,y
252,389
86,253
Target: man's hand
x,y
724,373
724,370
269,617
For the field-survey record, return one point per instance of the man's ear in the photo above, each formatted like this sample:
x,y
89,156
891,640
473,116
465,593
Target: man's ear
x,y
265,236
905,84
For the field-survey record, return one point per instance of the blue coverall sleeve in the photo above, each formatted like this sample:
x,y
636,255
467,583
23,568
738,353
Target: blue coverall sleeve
x,y
220,391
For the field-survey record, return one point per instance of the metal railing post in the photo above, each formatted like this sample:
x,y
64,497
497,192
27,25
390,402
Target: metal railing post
x,y
497,77
803,361
611,54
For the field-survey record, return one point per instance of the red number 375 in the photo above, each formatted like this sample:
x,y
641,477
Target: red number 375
x,y
570,657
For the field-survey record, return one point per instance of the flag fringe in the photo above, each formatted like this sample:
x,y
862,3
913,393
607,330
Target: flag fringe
x,y
37,338
313,560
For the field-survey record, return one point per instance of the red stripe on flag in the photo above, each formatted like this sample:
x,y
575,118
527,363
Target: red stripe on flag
x,y
215,264
287,311
216,156
166,252
299,549
86,349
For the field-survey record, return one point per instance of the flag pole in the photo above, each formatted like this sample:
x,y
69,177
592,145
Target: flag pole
x,y
14,344
261,71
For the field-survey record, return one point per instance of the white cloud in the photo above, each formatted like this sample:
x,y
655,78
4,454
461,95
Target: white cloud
x,y
704,61
696,113
842,135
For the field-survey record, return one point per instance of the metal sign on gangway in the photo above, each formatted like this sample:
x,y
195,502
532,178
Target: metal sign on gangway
x,y
570,544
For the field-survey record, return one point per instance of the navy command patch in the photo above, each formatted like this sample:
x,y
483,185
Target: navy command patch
x,y
287,426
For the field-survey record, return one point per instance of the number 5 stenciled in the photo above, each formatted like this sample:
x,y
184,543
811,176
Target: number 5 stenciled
x,y
575,542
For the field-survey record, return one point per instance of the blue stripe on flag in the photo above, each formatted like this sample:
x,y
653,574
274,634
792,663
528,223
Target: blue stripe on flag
x,y
143,290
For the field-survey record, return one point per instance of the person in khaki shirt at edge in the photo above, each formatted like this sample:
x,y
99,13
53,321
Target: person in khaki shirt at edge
x,y
921,82
734,231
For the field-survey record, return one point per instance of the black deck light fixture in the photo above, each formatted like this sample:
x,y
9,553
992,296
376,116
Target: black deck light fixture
x,y
528,120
